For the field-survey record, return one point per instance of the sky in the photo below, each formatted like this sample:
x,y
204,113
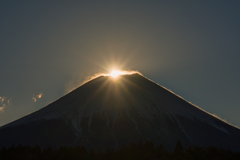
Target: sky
x,y
48,48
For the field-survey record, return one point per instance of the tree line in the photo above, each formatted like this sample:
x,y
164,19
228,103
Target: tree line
x,y
140,151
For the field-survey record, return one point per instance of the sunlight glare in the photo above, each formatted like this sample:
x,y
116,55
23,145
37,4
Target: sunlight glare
x,y
115,73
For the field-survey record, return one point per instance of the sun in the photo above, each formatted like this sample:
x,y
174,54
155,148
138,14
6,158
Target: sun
x,y
115,73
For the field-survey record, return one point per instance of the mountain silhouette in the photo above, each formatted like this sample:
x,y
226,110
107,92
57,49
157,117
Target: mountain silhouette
x,y
111,112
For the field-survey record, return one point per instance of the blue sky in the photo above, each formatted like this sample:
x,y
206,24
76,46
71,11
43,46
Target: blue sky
x,y
48,48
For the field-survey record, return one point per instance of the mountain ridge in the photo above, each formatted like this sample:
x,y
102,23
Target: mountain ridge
x,y
111,112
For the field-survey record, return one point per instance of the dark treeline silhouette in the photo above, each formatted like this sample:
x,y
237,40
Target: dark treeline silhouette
x,y
133,151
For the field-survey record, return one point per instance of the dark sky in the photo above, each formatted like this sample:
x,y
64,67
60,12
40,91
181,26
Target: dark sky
x,y
50,47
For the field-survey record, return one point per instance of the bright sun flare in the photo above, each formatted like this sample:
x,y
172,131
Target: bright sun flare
x,y
115,73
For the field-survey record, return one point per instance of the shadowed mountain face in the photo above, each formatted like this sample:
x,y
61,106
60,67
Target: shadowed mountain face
x,y
110,113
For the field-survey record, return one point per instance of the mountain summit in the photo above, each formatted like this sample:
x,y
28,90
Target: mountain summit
x,y
111,112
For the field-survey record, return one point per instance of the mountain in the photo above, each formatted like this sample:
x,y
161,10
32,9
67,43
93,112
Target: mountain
x,y
111,112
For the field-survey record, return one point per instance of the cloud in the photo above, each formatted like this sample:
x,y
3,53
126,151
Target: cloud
x,y
73,84
1,109
4,101
36,97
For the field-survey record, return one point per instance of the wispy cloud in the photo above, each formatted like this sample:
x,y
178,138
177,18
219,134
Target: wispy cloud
x,y
4,101
75,83
36,97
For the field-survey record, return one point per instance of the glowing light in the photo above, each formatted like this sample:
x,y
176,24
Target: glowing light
x,y
115,73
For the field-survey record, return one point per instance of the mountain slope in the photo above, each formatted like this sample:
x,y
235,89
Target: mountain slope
x,y
110,113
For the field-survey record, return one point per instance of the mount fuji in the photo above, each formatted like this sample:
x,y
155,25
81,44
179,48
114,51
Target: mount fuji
x,y
109,112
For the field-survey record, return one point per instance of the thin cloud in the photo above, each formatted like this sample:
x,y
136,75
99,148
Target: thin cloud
x,y
36,97
2,109
4,101
76,83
